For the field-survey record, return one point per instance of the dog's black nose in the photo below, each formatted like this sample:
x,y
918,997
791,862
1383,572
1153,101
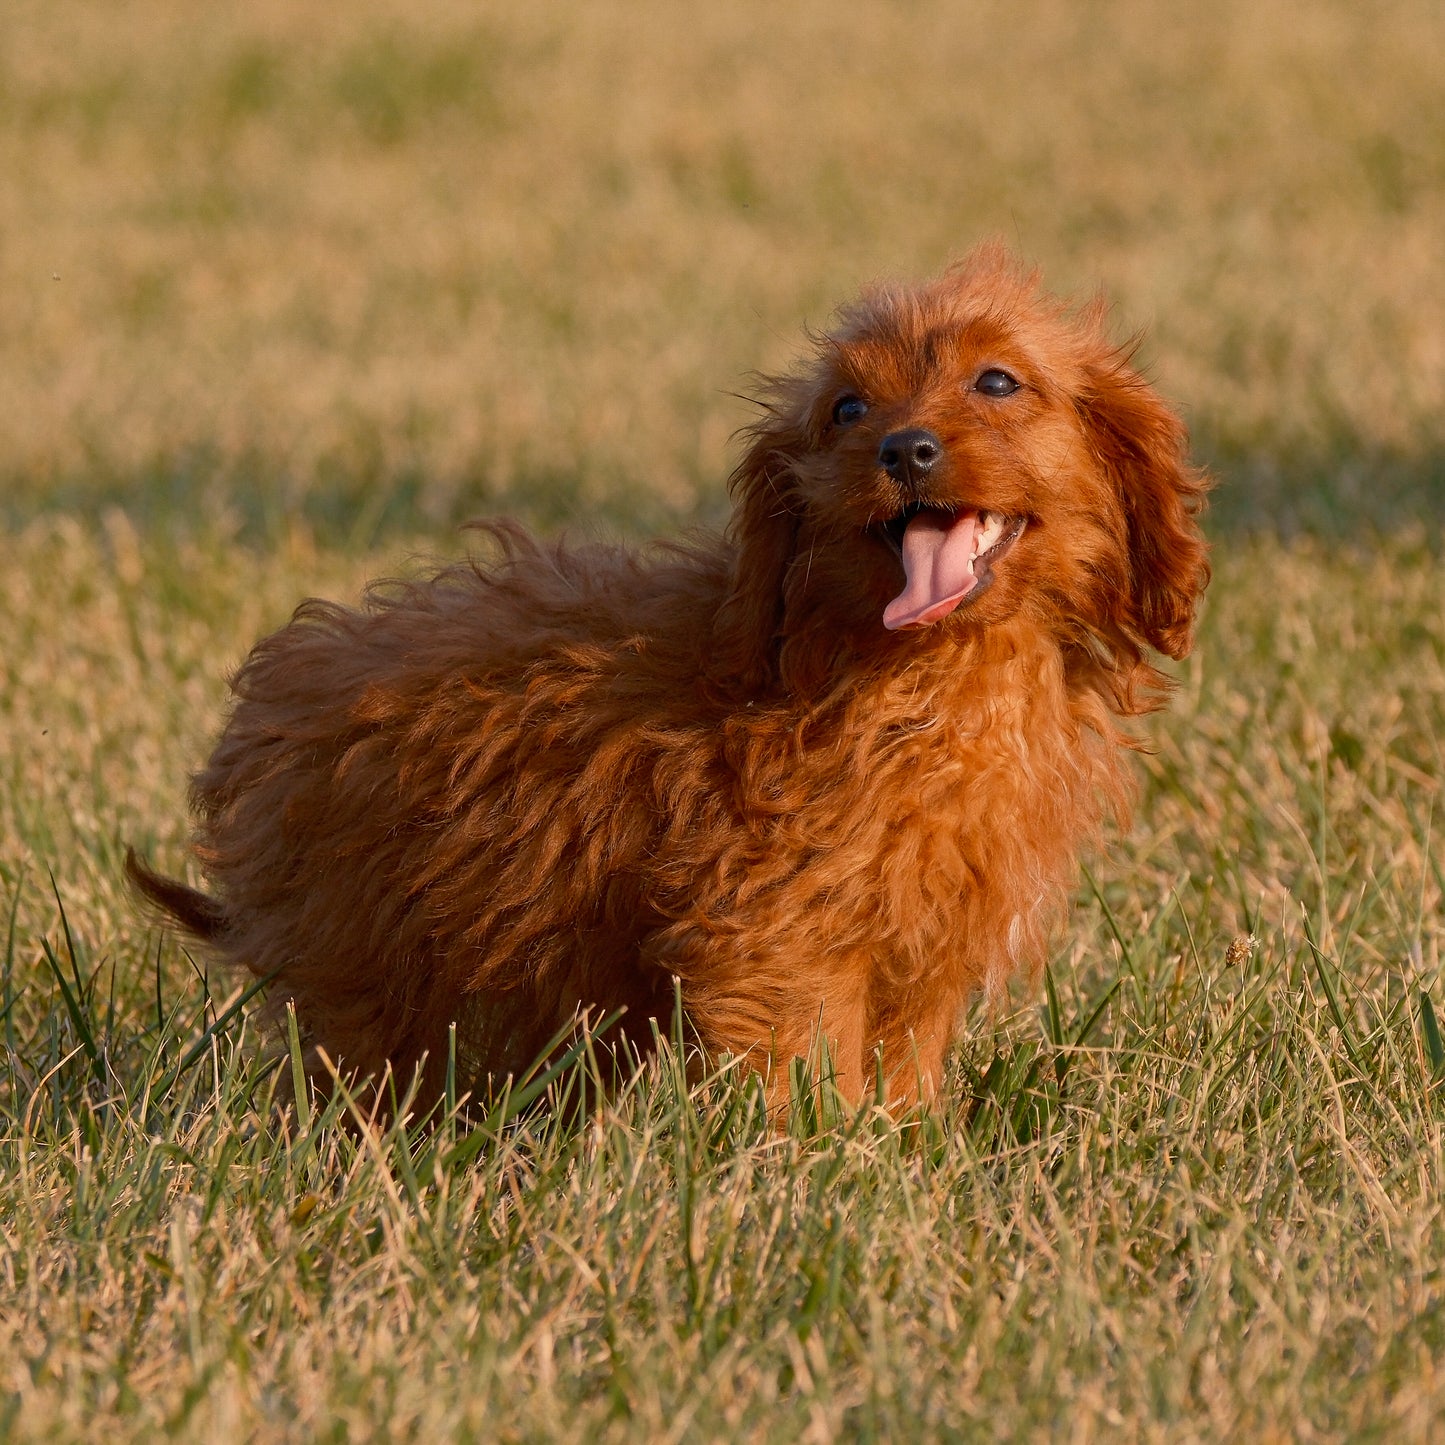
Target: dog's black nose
x,y
908,456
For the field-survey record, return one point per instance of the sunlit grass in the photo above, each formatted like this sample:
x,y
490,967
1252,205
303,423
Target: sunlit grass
x,y
1192,1190
389,269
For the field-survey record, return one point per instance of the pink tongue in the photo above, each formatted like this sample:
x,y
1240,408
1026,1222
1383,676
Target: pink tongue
x,y
938,563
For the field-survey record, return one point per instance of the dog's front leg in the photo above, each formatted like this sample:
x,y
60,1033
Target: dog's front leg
x,y
769,1009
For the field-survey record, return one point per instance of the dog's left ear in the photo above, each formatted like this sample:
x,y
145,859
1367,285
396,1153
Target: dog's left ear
x,y
1143,446
764,531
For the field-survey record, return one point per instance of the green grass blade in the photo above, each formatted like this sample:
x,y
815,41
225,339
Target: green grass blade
x,y
1434,1044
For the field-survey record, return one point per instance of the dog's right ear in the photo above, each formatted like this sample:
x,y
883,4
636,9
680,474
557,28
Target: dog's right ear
x,y
764,533
1141,443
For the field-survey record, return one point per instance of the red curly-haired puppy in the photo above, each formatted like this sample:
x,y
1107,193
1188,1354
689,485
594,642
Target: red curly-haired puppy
x,y
831,773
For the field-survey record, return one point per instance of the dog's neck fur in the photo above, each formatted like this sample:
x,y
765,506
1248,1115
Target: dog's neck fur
x,y
1041,744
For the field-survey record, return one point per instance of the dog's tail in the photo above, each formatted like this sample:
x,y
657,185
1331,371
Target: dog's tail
x,y
198,913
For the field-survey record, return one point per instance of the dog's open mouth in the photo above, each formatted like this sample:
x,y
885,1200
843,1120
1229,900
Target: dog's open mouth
x,y
948,559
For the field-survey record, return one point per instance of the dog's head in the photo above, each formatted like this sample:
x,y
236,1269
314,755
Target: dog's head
x,y
960,457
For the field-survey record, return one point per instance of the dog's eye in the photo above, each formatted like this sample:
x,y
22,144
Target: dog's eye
x,y
849,410
994,382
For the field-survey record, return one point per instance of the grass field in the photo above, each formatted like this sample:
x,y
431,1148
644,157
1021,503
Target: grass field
x,y
289,291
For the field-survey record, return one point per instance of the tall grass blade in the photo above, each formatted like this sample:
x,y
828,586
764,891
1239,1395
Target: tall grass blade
x,y
1434,1044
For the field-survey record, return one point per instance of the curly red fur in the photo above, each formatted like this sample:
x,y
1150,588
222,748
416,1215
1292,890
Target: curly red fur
x,y
552,783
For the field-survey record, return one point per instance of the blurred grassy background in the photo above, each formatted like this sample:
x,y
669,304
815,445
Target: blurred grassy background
x,y
394,268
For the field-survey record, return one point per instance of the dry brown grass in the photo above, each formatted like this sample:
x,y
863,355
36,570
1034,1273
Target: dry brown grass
x,y
501,252
1217,1216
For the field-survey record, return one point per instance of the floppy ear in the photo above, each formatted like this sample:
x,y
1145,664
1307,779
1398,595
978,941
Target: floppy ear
x,y
764,531
1142,445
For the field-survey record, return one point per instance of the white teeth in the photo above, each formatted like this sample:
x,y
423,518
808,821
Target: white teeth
x,y
989,531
